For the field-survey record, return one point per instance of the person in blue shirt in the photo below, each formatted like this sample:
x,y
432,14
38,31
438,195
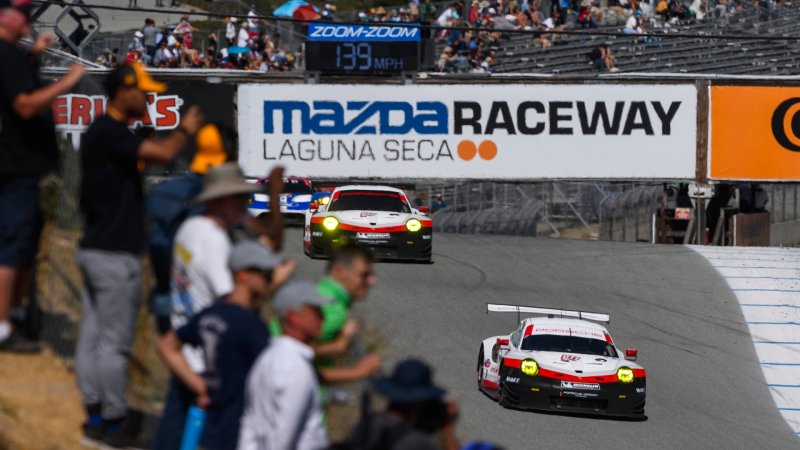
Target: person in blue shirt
x,y
231,335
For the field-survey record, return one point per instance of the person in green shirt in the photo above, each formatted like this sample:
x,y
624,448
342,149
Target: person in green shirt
x,y
348,279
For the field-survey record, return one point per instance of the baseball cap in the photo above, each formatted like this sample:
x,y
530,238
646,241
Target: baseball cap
x,y
295,294
23,6
252,255
210,149
133,74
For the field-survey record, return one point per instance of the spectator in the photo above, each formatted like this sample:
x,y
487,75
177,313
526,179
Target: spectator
x,y
230,30
416,411
438,203
633,25
166,209
284,406
662,9
213,46
603,59
231,335
253,22
150,32
184,31
114,239
447,16
28,149
243,36
585,16
349,279
136,45
426,16
722,7
678,11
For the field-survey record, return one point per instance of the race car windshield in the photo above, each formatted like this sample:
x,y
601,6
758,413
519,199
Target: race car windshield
x,y
568,344
293,187
370,201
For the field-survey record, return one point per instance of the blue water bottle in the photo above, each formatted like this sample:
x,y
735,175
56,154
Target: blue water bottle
x,y
195,420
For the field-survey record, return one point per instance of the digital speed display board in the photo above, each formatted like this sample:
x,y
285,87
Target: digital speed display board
x,y
362,49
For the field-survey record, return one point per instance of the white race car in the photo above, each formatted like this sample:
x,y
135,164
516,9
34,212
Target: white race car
x,y
378,217
561,361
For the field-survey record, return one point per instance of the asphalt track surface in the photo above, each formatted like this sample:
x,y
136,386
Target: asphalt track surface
x,y
705,387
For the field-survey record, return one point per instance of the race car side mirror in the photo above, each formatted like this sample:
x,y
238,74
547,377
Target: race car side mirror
x,y
631,354
424,209
501,342
313,206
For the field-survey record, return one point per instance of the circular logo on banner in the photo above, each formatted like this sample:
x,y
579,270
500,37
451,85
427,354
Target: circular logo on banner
x,y
786,124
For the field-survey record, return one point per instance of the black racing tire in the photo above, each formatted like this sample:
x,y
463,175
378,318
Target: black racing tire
x,y
480,369
501,391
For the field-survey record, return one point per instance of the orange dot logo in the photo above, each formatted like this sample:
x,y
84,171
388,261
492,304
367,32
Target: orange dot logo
x,y
467,150
487,150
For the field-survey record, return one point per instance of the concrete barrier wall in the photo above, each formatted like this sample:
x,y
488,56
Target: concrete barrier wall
x,y
785,234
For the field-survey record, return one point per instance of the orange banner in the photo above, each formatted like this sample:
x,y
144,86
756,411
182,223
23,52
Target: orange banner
x,y
755,133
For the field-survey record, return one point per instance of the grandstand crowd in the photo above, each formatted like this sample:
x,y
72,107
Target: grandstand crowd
x,y
469,36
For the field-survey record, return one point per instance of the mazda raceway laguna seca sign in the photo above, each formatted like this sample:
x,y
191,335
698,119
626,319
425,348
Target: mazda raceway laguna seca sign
x,y
510,131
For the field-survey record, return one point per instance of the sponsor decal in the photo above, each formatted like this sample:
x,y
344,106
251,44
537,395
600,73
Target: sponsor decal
x,y
512,380
506,131
579,394
73,113
487,363
426,237
570,357
640,390
361,33
368,214
316,233
361,235
583,386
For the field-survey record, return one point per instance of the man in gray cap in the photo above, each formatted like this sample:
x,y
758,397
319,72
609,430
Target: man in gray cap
x,y
231,335
284,408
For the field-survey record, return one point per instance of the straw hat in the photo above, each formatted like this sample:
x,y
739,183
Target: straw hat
x,y
224,181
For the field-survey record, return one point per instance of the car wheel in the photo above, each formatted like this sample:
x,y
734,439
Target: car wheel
x,y
501,395
480,369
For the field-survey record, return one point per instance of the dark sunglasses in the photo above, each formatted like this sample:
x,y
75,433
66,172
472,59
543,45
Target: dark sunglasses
x,y
266,273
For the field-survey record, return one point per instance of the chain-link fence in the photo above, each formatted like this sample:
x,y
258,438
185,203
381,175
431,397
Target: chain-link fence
x,y
783,202
584,210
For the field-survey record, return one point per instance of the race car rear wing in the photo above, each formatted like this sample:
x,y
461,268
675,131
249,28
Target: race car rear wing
x,y
550,312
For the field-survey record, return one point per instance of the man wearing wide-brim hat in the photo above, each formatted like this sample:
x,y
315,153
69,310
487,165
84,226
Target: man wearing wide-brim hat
x,y
416,411
200,273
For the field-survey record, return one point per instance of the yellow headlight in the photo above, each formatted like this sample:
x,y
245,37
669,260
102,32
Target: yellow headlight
x,y
413,225
330,223
529,367
625,375
324,200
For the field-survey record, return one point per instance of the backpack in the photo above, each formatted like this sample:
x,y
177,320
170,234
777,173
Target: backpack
x,y
166,207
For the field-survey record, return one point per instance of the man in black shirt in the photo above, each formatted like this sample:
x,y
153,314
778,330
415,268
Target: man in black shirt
x,y
109,256
27,150
231,335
